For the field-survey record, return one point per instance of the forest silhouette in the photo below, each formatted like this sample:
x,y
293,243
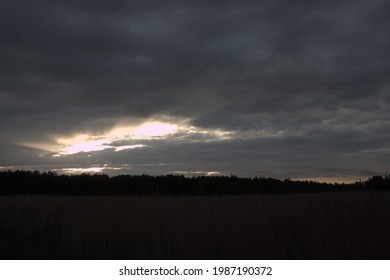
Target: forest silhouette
x,y
95,216
35,182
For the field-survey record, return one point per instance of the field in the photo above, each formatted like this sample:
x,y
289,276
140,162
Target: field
x,y
337,225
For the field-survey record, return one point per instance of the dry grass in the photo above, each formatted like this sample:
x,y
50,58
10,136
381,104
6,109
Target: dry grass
x,y
353,225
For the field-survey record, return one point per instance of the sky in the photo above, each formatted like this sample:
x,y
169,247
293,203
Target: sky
x,y
267,88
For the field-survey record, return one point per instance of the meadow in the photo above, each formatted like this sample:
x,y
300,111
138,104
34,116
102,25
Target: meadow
x,y
325,225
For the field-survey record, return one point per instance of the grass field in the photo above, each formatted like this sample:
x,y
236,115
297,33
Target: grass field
x,y
342,225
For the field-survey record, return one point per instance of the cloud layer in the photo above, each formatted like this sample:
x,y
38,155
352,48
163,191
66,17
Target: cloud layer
x,y
301,87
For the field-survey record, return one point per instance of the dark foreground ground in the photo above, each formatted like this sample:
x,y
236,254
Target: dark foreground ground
x,y
340,225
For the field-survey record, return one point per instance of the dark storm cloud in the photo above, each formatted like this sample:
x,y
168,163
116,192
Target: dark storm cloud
x,y
314,73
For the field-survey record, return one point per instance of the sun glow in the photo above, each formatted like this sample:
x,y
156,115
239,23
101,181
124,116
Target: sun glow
x,y
88,146
127,136
85,143
154,129
121,148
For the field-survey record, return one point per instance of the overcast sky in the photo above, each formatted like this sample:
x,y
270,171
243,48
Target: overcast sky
x,y
278,88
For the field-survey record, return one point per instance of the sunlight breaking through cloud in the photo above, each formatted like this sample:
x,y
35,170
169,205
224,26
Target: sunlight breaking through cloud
x,y
132,136
121,148
86,143
154,129
88,146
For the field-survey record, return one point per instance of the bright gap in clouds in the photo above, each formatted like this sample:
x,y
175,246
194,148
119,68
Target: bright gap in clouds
x,y
154,129
87,146
128,147
132,134
85,143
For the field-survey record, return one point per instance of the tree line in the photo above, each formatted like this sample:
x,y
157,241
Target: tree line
x,y
35,182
